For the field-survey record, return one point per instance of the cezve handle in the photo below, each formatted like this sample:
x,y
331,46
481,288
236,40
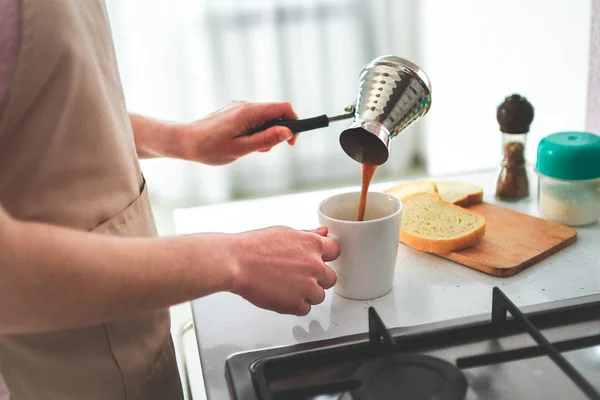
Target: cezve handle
x,y
295,125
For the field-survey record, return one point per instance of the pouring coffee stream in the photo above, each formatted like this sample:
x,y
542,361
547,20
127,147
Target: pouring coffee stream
x,y
393,93
368,170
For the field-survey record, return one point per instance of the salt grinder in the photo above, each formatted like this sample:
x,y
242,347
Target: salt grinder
x,y
514,116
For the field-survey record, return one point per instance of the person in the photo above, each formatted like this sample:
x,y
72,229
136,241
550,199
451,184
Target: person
x,y
85,281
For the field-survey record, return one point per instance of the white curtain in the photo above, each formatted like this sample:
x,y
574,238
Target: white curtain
x,y
182,59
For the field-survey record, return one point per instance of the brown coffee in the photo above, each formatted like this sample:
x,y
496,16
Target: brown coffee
x,y
368,170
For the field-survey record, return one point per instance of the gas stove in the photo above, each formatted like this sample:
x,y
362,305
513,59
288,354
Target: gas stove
x,y
549,351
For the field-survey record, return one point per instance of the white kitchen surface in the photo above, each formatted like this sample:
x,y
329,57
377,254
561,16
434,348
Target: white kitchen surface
x,y
427,288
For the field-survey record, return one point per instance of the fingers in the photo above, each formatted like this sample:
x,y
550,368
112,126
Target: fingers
x,y
331,249
303,309
292,141
321,231
264,140
316,296
328,277
256,114
259,113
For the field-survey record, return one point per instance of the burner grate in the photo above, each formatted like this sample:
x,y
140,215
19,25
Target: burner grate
x,y
332,368
501,304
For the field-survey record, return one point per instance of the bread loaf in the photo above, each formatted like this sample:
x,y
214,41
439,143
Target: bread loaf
x,y
463,194
404,190
433,225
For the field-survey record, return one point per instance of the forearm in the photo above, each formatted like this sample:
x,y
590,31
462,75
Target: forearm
x,y
155,139
56,278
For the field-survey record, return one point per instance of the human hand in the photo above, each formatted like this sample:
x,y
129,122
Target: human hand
x,y
213,140
283,269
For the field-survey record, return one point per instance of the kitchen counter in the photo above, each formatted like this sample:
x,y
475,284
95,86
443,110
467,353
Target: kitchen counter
x,y
427,288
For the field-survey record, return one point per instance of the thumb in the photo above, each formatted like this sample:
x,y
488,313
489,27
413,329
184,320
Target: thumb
x,y
265,139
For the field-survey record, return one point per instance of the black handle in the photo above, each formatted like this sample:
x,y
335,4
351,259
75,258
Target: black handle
x,y
295,125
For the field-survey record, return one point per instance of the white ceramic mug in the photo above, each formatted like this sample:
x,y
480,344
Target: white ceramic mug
x,y
366,266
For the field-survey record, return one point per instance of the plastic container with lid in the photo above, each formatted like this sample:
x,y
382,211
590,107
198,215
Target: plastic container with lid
x,y
568,168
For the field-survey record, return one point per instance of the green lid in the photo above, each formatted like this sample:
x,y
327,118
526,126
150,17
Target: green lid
x,y
569,156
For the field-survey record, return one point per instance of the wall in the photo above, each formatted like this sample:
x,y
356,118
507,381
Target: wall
x,y
593,104
477,52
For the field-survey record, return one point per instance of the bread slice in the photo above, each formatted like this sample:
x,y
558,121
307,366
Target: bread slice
x,y
436,226
404,190
463,194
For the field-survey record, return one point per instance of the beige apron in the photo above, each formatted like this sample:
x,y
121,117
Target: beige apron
x,y
67,157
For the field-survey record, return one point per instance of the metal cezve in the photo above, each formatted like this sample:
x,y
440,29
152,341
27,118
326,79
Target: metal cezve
x,y
393,93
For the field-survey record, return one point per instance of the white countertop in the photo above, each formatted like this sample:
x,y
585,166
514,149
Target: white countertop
x,y
427,288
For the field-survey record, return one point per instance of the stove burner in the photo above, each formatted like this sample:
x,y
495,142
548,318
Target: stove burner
x,y
383,368
410,376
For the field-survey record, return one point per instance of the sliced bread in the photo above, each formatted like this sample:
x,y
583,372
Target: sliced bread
x,y
433,225
463,194
404,190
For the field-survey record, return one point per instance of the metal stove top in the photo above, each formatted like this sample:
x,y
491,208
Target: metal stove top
x,y
549,351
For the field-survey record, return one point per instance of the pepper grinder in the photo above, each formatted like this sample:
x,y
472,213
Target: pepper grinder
x,y
514,116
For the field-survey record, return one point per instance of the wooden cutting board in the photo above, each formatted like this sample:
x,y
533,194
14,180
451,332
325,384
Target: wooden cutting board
x,y
513,241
